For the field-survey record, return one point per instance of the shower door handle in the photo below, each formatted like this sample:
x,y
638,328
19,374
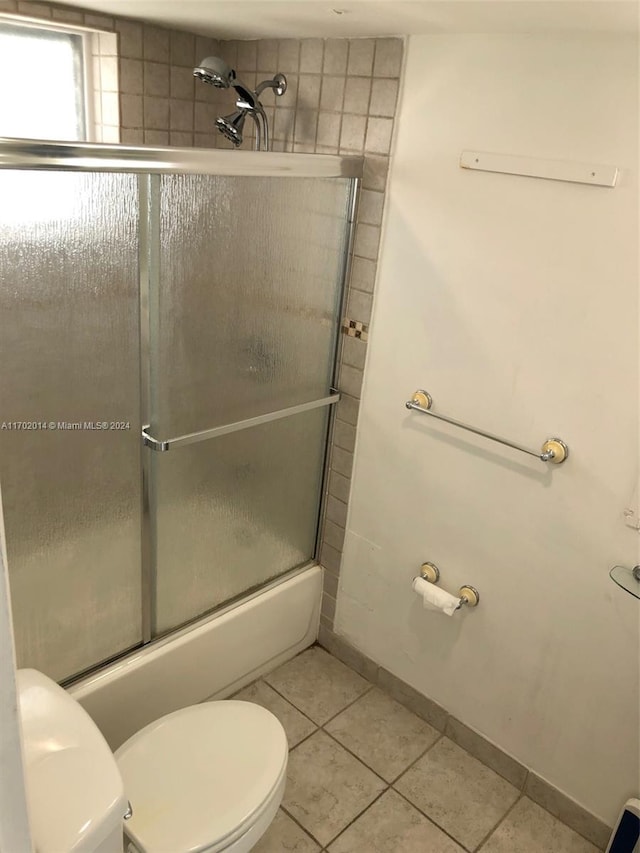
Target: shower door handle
x,y
161,446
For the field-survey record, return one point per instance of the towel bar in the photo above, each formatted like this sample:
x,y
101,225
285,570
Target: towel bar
x,y
553,450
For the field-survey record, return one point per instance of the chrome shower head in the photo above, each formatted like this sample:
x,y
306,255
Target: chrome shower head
x,y
216,72
231,126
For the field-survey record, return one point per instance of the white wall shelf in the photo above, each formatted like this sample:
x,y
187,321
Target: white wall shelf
x,y
595,174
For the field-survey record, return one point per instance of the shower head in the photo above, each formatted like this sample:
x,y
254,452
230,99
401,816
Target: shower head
x,y
216,72
231,126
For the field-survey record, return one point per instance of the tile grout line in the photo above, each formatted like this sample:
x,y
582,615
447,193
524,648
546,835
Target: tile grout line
x,y
369,686
326,722
502,819
422,755
353,755
360,814
430,819
297,822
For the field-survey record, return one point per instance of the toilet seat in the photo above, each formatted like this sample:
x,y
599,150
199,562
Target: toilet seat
x,y
201,778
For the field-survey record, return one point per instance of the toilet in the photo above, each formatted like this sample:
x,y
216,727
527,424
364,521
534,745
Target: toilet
x,y
204,779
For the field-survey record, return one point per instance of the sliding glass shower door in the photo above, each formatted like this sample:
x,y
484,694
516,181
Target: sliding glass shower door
x,y
245,293
70,415
167,348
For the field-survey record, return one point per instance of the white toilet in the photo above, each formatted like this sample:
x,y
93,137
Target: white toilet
x,y
204,779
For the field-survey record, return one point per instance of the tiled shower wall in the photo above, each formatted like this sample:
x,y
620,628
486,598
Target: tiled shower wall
x,y
341,99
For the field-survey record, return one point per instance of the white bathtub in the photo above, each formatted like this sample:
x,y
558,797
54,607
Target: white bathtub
x,y
212,658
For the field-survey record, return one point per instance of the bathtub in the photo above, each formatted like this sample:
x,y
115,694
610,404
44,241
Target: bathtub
x,y
212,658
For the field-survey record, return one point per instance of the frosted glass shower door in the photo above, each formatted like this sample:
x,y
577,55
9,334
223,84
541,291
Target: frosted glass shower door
x,y
70,415
244,311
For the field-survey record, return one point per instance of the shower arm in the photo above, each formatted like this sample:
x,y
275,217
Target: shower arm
x,y
278,84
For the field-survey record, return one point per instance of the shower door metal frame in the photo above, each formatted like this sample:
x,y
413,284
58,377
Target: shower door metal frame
x,y
86,157
150,164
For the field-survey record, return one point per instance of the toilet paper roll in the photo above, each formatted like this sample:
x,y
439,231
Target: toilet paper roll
x,y
434,598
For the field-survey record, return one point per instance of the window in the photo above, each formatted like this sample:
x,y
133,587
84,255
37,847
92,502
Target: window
x,y
42,83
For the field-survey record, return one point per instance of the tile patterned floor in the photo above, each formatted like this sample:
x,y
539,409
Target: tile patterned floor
x,y
368,776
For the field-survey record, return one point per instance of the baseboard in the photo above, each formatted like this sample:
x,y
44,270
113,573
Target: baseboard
x,y
533,786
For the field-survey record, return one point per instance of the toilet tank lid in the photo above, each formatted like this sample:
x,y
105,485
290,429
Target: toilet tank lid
x,y
74,788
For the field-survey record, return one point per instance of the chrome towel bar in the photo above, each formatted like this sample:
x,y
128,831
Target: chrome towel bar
x,y
553,450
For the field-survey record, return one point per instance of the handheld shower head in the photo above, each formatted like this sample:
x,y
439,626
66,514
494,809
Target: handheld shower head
x,y
216,72
231,126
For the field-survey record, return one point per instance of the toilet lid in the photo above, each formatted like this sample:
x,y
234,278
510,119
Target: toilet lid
x,y
200,775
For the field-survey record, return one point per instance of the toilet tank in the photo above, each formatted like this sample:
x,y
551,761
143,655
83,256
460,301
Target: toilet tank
x,y
74,788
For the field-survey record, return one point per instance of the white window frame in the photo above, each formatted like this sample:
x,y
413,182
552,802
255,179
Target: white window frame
x,y
87,35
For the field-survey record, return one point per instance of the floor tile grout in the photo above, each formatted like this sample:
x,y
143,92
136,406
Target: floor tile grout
x,y
357,757
359,815
387,785
297,822
422,755
326,722
502,819
429,818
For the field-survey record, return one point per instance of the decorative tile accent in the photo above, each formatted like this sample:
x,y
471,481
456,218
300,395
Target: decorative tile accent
x,y
327,787
317,684
391,824
530,829
382,733
355,329
295,724
457,792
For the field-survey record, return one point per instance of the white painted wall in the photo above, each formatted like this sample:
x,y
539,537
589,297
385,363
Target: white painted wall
x,y
514,301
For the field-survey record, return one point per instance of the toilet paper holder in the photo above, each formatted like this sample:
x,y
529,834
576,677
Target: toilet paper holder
x,y
469,595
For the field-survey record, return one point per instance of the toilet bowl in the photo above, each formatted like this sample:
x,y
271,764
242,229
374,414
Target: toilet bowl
x,y
204,779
